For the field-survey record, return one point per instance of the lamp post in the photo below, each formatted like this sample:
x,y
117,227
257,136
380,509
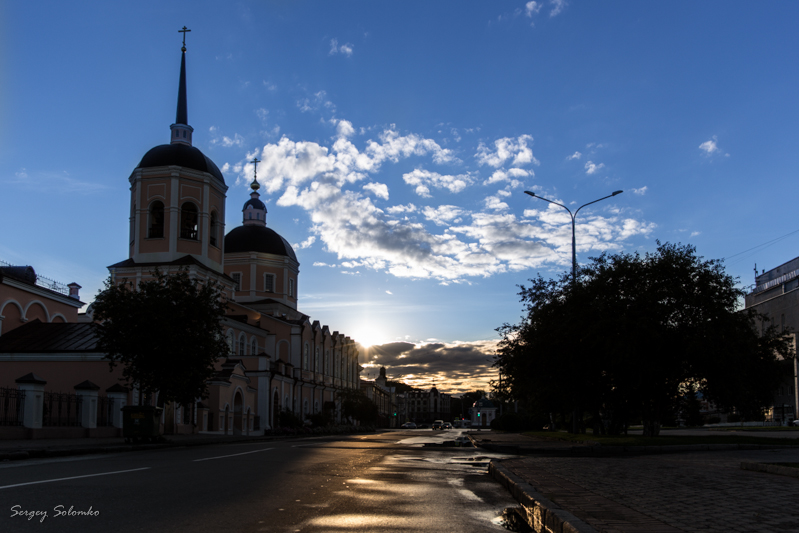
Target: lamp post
x,y
574,216
574,255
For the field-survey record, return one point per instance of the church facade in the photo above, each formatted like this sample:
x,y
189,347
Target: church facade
x,y
280,359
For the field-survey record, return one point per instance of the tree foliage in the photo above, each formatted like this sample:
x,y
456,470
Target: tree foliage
x,y
356,405
166,332
633,335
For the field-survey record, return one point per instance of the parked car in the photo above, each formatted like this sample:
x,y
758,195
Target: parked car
x,y
447,425
408,425
438,424
796,422
422,426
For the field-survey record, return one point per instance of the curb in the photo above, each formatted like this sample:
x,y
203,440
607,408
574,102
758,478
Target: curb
x,y
543,515
771,469
605,451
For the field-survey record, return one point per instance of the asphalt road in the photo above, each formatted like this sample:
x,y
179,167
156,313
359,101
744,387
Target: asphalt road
x,y
382,482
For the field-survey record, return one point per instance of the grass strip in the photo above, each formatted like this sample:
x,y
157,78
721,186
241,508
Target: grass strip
x,y
661,440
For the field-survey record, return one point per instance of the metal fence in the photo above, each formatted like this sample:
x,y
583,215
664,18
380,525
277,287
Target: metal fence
x,y
12,406
61,409
105,411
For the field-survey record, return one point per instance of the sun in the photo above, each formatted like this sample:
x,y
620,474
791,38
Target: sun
x,y
369,335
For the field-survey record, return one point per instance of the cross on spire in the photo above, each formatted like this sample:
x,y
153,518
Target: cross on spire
x,y
254,185
183,31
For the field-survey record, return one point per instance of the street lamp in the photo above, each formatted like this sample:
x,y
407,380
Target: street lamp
x,y
574,255
573,215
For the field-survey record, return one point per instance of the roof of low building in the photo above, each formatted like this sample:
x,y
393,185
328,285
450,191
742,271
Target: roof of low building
x,y
41,337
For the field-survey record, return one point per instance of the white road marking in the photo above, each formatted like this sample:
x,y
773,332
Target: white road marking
x,y
232,455
73,477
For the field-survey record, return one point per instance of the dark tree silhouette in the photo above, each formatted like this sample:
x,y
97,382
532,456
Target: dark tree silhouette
x,y
166,332
633,335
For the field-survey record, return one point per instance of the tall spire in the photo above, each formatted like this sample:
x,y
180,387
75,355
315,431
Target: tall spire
x,y
181,131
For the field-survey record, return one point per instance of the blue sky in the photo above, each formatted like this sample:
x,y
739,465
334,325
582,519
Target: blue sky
x,y
396,140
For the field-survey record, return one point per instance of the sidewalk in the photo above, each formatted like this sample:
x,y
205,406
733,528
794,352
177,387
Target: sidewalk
x,y
705,491
11,450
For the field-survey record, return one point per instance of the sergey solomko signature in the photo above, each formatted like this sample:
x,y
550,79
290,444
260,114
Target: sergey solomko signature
x,y
58,511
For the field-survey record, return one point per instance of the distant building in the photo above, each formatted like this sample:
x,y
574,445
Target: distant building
x,y
383,397
483,412
425,406
776,295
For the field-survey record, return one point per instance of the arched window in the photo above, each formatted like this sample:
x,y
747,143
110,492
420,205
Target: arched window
x,y
254,347
241,345
327,361
156,223
305,358
188,221
316,360
214,228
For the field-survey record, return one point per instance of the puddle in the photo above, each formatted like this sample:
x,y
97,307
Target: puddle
x,y
511,519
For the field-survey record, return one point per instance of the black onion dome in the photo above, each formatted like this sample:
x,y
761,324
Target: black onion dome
x,y
181,155
255,203
254,238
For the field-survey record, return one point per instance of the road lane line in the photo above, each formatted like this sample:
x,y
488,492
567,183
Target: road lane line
x,y
232,455
74,477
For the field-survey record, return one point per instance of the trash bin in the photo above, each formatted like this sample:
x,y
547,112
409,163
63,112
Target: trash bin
x,y
141,422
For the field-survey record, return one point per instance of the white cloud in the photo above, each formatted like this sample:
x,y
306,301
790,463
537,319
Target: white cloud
x,y
695,233
444,242
591,167
305,244
397,209
493,202
557,7
640,192
389,292
507,176
378,189
507,149
270,86
710,147
345,49
531,8
575,155
424,179
443,215
315,102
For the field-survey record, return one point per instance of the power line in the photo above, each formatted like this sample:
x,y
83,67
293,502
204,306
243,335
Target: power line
x,y
760,246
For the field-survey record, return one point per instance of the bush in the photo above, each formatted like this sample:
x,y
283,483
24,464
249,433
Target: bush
x,y
287,419
514,422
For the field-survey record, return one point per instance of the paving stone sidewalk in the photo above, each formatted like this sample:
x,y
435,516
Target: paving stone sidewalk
x,y
705,491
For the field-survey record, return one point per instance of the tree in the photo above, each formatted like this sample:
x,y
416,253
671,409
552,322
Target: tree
x,y
460,405
356,405
633,335
166,332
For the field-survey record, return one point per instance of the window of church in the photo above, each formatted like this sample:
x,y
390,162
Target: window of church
x,y
214,228
305,358
241,346
316,359
254,347
269,283
188,221
237,279
156,222
291,288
